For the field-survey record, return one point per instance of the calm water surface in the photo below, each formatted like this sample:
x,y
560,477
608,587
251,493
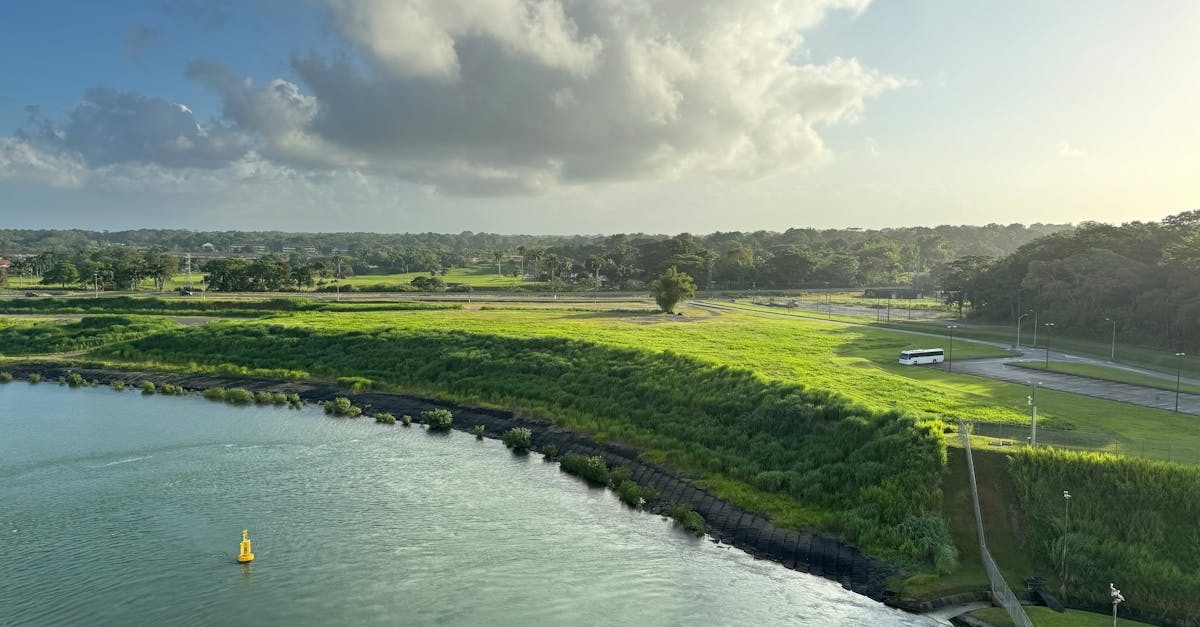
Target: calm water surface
x,y
126,510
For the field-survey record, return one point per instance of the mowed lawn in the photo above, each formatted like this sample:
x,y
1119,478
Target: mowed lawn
x,y
475,276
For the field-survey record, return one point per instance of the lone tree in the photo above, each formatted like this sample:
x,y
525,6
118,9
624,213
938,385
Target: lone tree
x,y
670,288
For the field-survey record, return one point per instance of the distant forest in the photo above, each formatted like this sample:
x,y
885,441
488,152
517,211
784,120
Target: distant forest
x,y
794,259
1142,277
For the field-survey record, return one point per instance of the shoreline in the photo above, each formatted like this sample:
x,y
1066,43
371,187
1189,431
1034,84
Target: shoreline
x,y
802,551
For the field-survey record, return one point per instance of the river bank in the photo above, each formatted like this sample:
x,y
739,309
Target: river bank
x,y
798,550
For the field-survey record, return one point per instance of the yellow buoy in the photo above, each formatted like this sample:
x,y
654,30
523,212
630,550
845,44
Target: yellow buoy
x,y
244,554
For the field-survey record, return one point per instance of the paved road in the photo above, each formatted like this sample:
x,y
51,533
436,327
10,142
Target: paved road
x,y
1001,369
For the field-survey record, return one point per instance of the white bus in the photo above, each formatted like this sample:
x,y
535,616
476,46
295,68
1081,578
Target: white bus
x,y
922,356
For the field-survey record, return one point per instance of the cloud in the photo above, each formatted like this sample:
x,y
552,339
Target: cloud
x,y
1067,151
115,127
501,97
140,38
520,96
21,161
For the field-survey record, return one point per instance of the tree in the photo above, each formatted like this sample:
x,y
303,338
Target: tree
x,y
497,258
671,288
63,272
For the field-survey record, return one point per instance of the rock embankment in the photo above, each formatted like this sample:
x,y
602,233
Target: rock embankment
x,y
798,550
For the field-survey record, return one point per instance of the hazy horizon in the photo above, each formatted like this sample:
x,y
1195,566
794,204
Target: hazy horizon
x,y
561,116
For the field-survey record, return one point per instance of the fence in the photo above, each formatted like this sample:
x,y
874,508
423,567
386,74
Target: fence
x,y
1086,441
1001,593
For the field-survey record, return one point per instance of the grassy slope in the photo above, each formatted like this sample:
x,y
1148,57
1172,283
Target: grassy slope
x,y
475,276
1045,617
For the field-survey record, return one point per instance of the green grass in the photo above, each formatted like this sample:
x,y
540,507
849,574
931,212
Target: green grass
x,y
1046,617
1106,373
31,337
481,276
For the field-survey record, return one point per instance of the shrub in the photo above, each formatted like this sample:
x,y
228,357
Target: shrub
x,y
550,451
147,387
517,439
406,420
294,401
172,390
385,418
438,419
62,380
619,475
238,396
687,518
215,394
356,384
5,377
35,378
594,469
279,398
118,385
263,398
635,495
478,431
342,407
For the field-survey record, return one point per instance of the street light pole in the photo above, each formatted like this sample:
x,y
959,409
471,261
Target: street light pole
x,y
1033,421
1049,325
1112,354
1178,377
1019,319
1066,526
1035,325
950,359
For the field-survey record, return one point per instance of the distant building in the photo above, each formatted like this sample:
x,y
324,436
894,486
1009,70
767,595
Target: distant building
x,y
208,247
4,263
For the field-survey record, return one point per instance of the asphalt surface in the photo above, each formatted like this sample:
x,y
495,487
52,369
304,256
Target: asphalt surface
x,y
1001,369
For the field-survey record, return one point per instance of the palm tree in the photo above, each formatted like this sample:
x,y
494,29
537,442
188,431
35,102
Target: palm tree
x,y
497,257
595,264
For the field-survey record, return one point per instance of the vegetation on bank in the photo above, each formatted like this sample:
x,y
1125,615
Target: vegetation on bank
x,y
438,419
596,471
194,306
689,519
342,407
54,336
1131,521
869,475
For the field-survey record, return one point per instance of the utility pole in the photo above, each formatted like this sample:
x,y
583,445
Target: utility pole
x,y
96,283
1049,325
1035,326
1178,377
1117,597
1033,423
950,358
1112,353
1019,319
1066,527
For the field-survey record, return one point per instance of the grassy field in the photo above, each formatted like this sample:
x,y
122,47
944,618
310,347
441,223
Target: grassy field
x,y
476,276
1045,617
1106,373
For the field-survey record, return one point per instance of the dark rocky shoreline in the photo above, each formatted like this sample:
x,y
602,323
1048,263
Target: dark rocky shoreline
x,y
798,550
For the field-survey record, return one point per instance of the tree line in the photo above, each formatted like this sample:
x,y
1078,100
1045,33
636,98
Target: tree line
x,y
796,258
1137,280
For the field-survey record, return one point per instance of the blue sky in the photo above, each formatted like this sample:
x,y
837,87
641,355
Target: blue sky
x,y
567,116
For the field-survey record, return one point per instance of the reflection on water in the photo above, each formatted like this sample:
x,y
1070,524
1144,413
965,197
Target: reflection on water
x,y
122,509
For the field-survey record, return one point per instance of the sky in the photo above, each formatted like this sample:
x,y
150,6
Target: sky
x,y
595,116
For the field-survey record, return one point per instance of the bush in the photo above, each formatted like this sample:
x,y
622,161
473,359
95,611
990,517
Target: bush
x,y
215,394
35,378
147,387
239,396
5,377
406,420
172,390
356,384
62,380
342,407
294,401
550,451
635,495
518,439
478,431
687,518
279,398
385,418
263,398
118,385
594,469
438,419
619,475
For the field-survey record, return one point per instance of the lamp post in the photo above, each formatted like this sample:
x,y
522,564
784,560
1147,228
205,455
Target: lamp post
x,y
1019,319
1066,525
96,283
1035,325
1178,377
1049,325
1117,597
1112,353
1033,420
950,359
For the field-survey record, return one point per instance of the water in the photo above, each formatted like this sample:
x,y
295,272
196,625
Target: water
x,y
125,510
